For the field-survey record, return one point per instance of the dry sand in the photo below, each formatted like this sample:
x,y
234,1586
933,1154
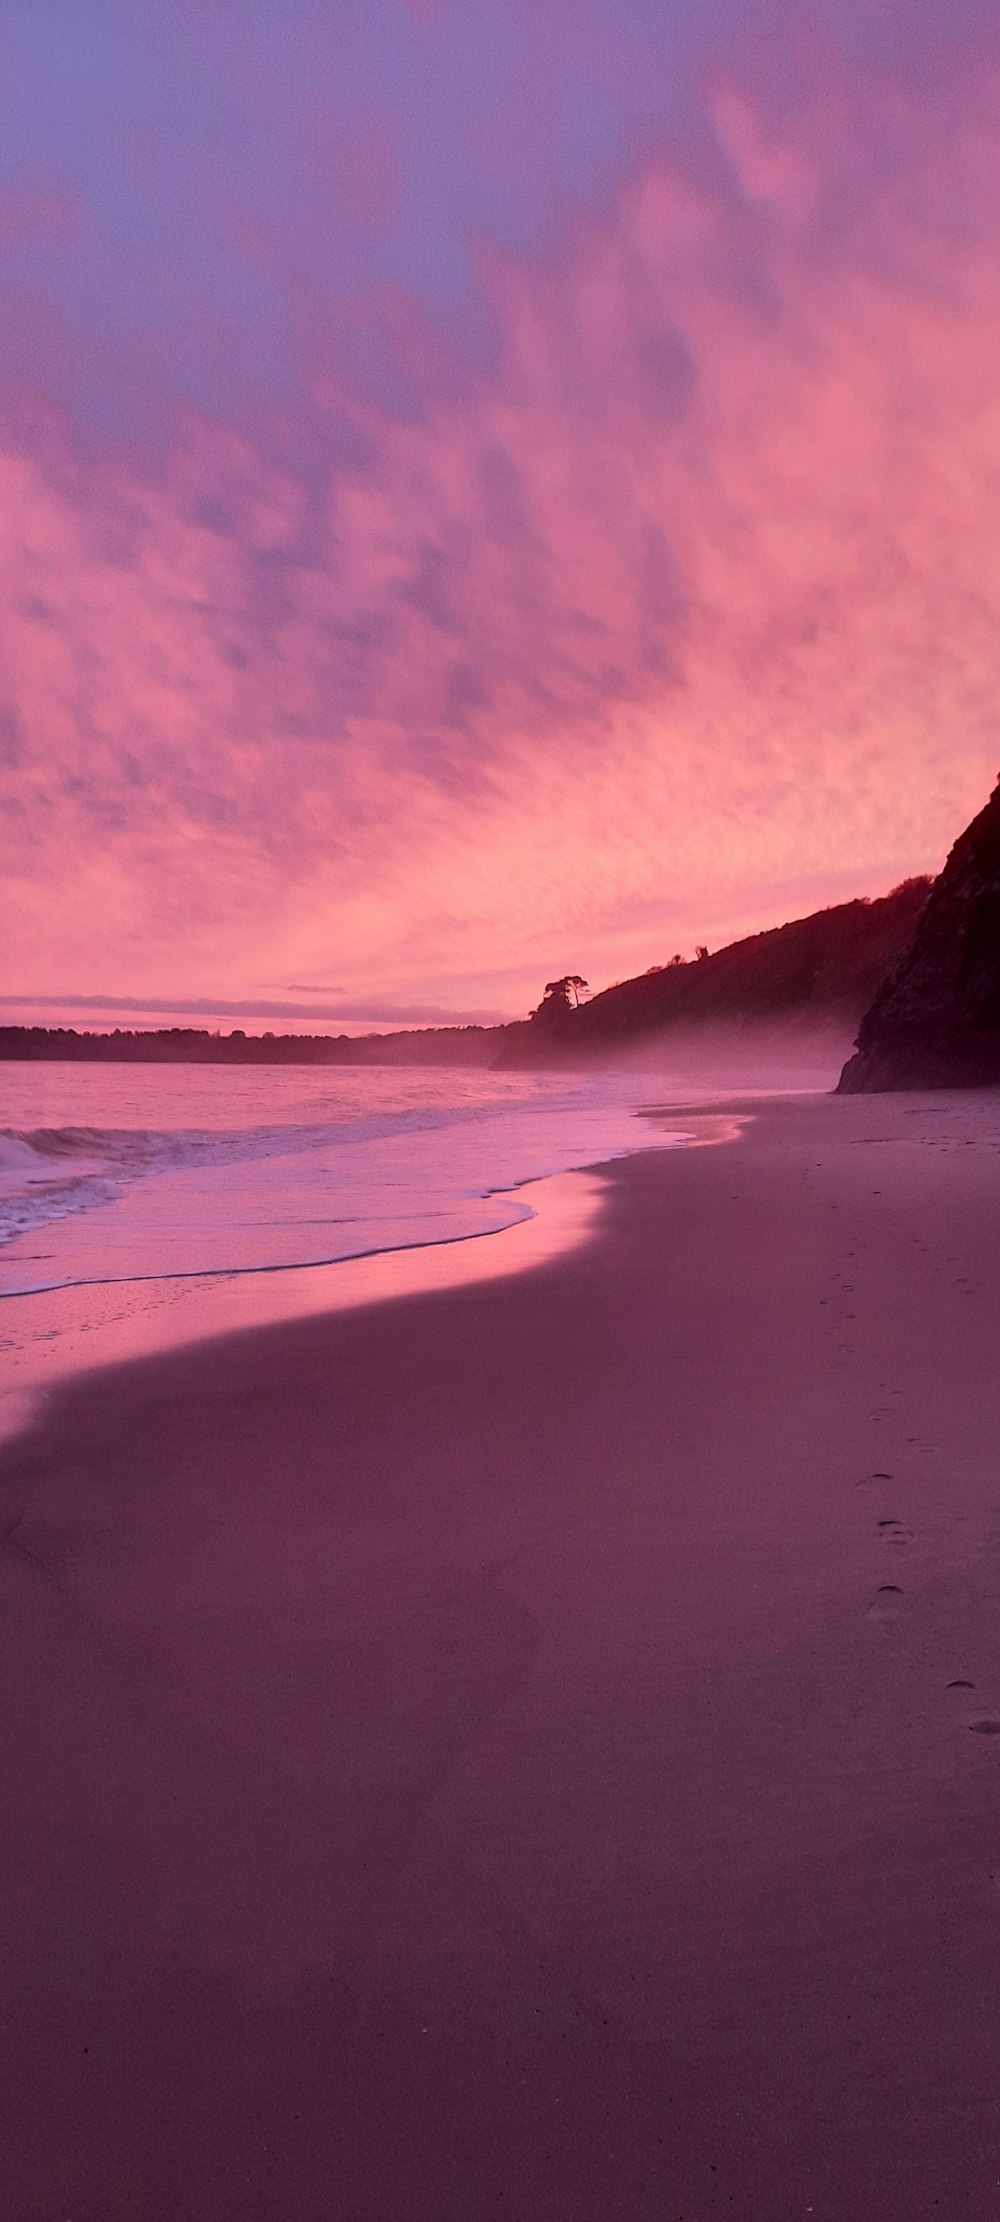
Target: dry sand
x,y
527,1751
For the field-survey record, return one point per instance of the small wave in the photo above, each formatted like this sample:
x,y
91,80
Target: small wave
x,y
47,1173
51,1141
31,1151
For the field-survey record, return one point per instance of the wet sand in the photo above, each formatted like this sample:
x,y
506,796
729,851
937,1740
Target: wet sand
x,y
529,1750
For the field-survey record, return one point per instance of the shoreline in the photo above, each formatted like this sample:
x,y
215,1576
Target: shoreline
x,y
214,1306
71,1329
507,1751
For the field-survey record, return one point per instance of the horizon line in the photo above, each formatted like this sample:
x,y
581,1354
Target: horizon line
x,y
357,1013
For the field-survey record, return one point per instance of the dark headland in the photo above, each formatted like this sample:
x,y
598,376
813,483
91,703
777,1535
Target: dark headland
x,y
935,1021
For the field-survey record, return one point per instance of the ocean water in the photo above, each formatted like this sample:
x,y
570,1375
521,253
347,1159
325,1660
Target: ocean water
x,y
125,1189
122,1173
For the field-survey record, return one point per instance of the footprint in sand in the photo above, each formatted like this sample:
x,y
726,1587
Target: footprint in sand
x,y
987,1724
887,1602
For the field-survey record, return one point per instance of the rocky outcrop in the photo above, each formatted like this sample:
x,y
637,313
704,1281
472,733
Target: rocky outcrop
x,y
935,1020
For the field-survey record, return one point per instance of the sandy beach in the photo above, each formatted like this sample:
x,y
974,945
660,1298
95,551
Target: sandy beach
x,y
530,1750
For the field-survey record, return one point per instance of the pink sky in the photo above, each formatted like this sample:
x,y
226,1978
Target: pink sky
x,y
667,610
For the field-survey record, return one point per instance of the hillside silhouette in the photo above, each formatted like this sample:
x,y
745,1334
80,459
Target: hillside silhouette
x,y
820,971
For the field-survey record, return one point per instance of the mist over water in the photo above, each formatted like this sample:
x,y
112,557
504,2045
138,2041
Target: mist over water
x,y
755,1057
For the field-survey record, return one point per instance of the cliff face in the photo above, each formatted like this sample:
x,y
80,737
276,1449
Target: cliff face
x,y
935,1021
814,972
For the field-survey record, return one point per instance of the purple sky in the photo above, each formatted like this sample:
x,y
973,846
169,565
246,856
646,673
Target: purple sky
x,y
485,489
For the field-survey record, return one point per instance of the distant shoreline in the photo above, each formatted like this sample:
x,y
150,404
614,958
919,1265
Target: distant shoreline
x,y
195,1045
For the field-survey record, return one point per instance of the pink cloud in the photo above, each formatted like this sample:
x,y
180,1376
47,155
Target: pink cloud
x,y
365,163
681,617
28,214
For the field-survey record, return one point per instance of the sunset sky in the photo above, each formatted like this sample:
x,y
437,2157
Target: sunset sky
x,y
487,487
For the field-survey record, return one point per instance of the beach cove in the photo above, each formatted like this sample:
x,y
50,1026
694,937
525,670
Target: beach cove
x,y
531,1749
